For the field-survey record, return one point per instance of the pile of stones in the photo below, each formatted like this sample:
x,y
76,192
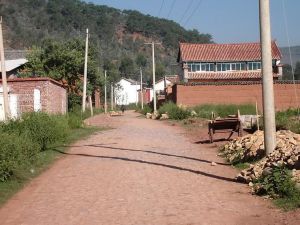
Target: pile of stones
x,y
251,147
246,148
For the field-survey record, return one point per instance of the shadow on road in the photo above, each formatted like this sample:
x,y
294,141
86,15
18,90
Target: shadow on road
x,y
151,163
150,152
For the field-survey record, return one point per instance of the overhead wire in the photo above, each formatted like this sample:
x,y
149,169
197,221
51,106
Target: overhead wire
x,y
171,8
162,5
193,12
186,10
290,53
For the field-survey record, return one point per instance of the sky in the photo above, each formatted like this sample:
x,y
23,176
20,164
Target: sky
x,y
228,21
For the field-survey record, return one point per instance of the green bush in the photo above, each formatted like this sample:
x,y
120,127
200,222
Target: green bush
x,y
276,184
44,129
15,152
174,112
204,111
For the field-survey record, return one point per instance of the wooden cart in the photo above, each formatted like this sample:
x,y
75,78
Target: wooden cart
x,y
224,126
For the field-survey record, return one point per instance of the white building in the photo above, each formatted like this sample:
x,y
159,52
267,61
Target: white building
x,y
160,85
126,91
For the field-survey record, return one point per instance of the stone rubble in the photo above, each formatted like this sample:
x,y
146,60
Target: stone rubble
x,y
251,147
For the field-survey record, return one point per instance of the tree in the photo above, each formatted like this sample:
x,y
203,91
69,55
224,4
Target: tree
x,y
64,62
287,72
141,60
126,67
297,71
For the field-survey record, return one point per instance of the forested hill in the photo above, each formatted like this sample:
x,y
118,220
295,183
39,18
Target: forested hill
x,y
116,33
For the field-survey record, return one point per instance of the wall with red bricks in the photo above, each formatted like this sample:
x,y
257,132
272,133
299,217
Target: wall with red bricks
x,y
53,95
285,94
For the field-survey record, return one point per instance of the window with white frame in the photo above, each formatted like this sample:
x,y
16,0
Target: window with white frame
x,y
254,65
236,66
201,67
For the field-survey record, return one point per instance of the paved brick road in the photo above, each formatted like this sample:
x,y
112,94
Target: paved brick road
x,y
143,172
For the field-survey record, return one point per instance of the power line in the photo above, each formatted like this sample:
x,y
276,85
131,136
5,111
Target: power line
x,y
186,10
162,4
289,47
171,8
193,12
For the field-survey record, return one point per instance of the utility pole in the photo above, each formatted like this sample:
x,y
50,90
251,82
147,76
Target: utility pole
x,y
136,94
153,68
267,77
3,71
85,71
142,95
111,97
105,94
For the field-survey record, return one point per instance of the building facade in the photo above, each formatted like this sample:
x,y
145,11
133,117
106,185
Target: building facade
x,y
224,62
33,95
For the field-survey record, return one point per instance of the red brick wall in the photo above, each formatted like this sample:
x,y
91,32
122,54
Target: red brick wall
x,y
236,94
53,96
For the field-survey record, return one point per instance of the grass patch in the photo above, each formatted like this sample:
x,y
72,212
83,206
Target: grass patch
x,y
288,203
204,111
241,166
42,161
288,120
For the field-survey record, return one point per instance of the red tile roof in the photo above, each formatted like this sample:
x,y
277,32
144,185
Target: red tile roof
x,y
240,75
224,52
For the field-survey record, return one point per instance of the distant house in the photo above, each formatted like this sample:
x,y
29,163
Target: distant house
x,y
12,67
224,62
166,81
34,94
126,91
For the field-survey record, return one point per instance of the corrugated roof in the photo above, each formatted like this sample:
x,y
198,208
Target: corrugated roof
x,y
224,52
226,75
13,64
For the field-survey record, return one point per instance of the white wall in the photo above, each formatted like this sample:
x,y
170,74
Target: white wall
x,y
126,93
160,86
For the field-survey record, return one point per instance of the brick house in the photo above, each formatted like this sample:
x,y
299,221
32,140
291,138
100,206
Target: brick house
x,y
224,62
35,94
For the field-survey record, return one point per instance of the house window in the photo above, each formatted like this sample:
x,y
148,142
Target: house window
x,y
200,67
254,65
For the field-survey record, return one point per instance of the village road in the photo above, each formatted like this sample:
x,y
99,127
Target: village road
x,y
142,172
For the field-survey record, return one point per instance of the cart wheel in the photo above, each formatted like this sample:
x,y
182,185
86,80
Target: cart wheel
x,y
210,135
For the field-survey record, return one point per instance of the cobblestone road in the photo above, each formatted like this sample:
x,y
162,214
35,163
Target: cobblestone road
x,y
142,172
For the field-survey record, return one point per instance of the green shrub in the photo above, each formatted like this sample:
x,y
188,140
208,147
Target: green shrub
x,y
174,112
44,129
15,152
277,184
146,109
204,111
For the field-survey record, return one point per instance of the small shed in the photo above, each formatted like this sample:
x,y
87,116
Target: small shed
x,y
35,94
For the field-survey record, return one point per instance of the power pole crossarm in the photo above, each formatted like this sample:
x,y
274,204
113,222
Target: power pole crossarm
x,y
267,76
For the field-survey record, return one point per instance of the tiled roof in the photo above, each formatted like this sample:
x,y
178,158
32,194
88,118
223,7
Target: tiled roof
x,y
226,75
224,52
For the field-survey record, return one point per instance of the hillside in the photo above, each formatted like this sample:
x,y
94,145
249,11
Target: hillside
x,y
115,33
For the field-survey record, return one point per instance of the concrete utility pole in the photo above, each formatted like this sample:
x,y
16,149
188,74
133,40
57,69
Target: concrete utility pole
x,y
85,71
3,71
267,75
153,68
111,97
105,94
142,95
